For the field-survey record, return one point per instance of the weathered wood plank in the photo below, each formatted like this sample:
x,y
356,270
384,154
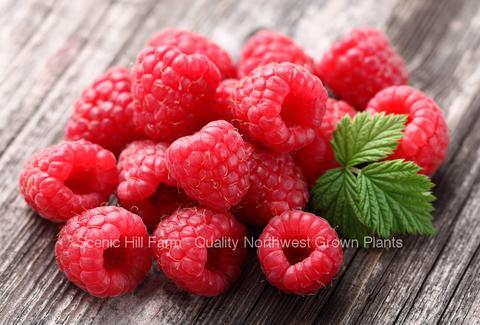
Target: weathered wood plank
x,y
234,305
43,126
35,71
322,24
450,266
465,304
18,26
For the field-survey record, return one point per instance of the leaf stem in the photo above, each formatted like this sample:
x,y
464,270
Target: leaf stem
x,y
355,170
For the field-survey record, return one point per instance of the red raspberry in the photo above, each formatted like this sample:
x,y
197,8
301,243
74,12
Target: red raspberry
x,y
361,64
104,112
142,168
211,165
280,105
104,251
65,179
163,202
190,43
276,185
185,250
145,187
425,139
318,157
300,252
222,101
172,91
267,46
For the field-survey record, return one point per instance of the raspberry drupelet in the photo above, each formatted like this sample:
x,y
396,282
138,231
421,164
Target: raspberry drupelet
x,y
307,266
316,158
211,166
425,139
361,64
65,179
267,46
276,185
190,43
104,113
172,92
221,107
280,105
104,251
145,186
186,253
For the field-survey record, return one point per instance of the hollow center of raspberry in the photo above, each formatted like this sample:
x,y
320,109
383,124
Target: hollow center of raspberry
x,y
81,181
213,258
115,257
296,253
296,110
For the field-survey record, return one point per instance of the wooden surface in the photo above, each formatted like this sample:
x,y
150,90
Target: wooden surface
x,y
50,49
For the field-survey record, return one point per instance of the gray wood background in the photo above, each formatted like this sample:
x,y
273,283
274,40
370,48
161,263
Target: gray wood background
x,y
50,49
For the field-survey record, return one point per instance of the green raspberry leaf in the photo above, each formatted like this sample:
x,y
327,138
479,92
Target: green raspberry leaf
x,y
367,138
395,198
368,198
335,196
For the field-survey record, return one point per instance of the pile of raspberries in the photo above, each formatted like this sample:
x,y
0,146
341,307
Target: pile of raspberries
x,y
194,147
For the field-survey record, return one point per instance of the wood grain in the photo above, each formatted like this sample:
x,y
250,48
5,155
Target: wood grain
x,y
51,49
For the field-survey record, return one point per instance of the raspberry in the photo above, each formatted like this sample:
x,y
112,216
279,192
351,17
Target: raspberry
x,y
172,91
103,114
280,105
222,101
316,158
142,168
163,202
276,185
104,251
425,139
190,43
65,179
267,46
361,64
300,252
211,165
145,187
185,250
